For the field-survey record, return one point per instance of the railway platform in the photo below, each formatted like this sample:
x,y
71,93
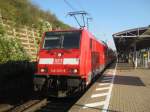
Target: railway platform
x,y
121,88
131,90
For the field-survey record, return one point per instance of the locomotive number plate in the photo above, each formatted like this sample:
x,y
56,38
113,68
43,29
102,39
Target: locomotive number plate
x,y
58,61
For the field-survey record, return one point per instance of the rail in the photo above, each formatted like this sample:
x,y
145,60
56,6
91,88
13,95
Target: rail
x,y
29,106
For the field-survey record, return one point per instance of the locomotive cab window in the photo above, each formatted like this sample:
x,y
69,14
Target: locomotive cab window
x,y
66,40
53,42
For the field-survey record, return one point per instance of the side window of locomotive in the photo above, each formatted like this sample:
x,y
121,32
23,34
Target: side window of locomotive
x,y
90,43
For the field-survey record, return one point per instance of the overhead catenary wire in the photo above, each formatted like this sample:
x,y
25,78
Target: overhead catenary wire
x,y
79,4
88,18
69,5
75,13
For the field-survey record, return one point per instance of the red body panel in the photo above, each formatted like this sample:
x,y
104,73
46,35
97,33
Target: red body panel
x,y
89,58
57,67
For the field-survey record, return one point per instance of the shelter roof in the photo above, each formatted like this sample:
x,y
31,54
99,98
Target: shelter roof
x,y
126,40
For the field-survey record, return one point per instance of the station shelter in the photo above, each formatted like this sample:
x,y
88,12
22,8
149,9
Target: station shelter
x,y
133,46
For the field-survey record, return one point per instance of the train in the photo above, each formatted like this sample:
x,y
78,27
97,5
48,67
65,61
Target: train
x,y
68,61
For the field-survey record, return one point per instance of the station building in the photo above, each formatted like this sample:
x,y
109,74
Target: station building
x,y
133,46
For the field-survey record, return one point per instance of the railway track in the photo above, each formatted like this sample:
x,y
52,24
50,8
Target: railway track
x,y
58,105
44,105
29,106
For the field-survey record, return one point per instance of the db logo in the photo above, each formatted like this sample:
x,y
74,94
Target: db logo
x,y
58,61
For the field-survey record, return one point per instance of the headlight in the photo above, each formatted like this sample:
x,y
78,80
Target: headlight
x,y
75,70
43,70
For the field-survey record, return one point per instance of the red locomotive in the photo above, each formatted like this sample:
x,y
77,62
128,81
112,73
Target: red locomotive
x,y
68,61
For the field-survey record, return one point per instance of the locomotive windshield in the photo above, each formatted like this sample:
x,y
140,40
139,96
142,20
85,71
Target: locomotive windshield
x,y
66,40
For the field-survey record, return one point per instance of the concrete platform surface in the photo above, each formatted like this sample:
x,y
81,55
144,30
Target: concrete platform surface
x,y
131,90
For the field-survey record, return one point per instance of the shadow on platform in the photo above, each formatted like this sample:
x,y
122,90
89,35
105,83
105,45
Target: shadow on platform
x,y
125,80
128,80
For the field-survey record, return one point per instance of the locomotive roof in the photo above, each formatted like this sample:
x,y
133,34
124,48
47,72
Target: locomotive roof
x,y
59,30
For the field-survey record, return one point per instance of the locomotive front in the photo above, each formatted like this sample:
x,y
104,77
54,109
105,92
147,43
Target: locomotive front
x,y
58,64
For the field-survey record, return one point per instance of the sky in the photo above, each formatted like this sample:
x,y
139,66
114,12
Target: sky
x,y
108,16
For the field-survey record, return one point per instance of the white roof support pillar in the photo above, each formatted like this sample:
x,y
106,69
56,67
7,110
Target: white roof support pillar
x,y
135,56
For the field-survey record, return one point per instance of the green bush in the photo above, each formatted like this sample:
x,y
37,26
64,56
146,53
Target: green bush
x,y
10,48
